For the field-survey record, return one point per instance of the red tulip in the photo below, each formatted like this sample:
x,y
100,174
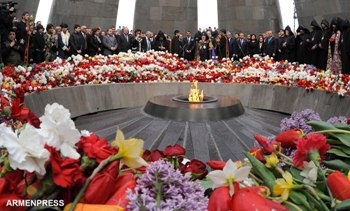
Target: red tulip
x,y
152,156
175,150
289,138
220,199
264,143
216,164
100,188
123,183
257,153
339,185
248,199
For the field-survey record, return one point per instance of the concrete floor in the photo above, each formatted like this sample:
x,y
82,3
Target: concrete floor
x,y
220,140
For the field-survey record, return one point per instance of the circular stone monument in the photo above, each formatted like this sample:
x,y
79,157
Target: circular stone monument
x,y
177,107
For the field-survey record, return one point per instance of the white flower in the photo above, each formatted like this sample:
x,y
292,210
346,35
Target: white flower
x,y
230,173
309,172
26,151
59,130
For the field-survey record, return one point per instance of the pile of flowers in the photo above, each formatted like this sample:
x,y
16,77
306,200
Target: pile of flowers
x,y
48,163
45,162
165,67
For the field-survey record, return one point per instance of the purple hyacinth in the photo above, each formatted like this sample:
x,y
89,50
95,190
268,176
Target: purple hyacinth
x,y
299,120
164,188
337,119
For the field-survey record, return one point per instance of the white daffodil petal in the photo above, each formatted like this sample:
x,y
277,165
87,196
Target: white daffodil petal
x,y
229,169
218,177
242,173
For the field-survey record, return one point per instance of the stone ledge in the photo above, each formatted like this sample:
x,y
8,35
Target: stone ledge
x,y
87,99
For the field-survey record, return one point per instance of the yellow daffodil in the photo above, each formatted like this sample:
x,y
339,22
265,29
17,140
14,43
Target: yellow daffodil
x,y
230,173
283,187
271,160
129,150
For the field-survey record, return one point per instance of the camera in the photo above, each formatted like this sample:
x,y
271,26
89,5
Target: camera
x,y
6,6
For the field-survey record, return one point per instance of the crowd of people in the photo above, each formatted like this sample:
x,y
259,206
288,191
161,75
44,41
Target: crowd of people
x,y
326,46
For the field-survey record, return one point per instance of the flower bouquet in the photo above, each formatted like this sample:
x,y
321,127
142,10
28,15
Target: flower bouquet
x,y
305,167
46,163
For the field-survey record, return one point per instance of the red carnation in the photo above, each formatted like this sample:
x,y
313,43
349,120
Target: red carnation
x,y
96,148
66,172
310,144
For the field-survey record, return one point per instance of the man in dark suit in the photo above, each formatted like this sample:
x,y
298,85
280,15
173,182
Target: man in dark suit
x,y
22,34
189,46
147,42
124,40
176,44
271,44
76,41
231,43
240,47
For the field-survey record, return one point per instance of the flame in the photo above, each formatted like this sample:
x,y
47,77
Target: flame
x,y
194,95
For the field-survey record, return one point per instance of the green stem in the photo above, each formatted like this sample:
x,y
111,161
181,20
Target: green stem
x,y
158,190
255,178
325,181
333,131
87,182
288,159
293,205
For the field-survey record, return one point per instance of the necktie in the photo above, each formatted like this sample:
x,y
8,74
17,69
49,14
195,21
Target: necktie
x,y
148,44
126,37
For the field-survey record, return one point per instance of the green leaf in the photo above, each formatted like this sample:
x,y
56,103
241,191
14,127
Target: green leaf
x,y
337,164
296,174
344,138
318,204
342,126
344,205
206,183
293,207
338,152
267,176
299,198
334,142
321,125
